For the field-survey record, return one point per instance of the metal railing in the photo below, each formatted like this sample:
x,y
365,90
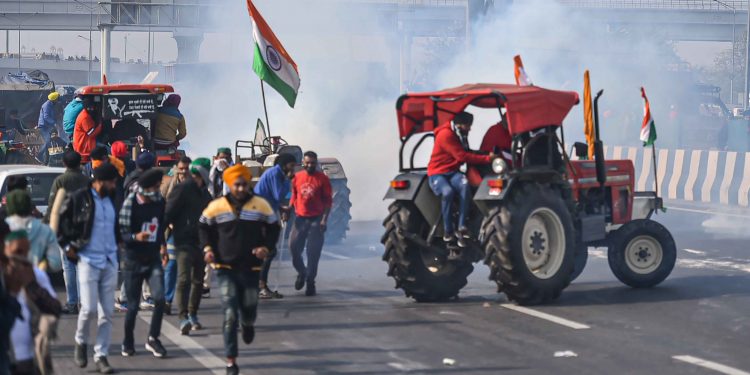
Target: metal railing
x,y
722,5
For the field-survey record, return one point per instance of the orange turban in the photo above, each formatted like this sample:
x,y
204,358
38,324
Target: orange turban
x,y
238,170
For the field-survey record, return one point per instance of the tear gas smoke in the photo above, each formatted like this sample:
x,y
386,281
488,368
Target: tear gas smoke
x,y
348,56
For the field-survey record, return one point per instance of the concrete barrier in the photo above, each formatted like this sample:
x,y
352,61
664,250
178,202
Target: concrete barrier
x,y
707,176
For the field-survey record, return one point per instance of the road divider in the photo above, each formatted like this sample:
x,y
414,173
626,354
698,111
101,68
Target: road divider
x,y
708,176
545,316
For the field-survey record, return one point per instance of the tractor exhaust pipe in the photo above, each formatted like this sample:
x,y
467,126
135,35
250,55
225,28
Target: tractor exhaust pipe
x,y
601,173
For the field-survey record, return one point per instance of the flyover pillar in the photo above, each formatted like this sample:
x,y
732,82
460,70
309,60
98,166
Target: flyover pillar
x,y
188,46
106,51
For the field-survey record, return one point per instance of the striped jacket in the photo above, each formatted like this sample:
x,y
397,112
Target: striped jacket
x,y
232,236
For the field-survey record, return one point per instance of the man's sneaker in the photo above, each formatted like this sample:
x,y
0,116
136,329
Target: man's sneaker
x,y
461,242
154,346
70,308
102,365
79,355
265,293
168,308
233,369
448,238
248,334
185,327
206,293
194,322
310,291
121,306
300,282
147,304
128,350
464,232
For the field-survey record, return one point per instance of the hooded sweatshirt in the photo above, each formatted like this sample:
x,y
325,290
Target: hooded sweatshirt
x,y
70,114
43,241
449,154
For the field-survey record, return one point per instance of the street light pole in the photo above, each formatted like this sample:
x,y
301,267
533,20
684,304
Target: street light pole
x,y
88,81
125,60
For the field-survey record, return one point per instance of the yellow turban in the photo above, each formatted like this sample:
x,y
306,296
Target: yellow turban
x,y
53,96
238,170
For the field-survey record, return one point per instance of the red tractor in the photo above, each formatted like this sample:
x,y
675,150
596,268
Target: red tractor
x,y
128,112
533,218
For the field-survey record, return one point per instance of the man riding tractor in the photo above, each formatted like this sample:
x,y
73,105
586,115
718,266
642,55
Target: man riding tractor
x,y
450,152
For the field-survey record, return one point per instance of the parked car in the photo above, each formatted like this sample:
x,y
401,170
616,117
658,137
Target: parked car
x,y
40,181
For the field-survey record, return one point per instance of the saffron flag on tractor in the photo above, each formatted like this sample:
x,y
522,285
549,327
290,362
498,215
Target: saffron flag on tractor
x,y
521,78
271,62
648,128
588,115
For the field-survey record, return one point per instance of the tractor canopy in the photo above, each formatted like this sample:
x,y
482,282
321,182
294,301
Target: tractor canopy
x,y
127,101
527,107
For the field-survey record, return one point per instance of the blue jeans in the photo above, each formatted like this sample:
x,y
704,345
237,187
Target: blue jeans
x,y
170,279
97,297
447,186
45,133
135,274
71,280
239,301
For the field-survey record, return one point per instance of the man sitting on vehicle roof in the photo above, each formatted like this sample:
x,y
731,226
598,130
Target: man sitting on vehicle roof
x,y
170,123
87,128
451,150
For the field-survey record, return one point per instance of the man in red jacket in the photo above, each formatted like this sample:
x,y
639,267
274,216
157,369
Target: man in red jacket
x,y
312,198
86,130
451,150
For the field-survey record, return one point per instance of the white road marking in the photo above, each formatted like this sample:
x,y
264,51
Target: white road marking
x,y
336,256
698,252
545,316
718,367
202,355
714,264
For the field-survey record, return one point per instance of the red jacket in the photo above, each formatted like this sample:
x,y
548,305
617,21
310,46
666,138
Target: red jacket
x,y
84,135
497,136
311,194
448,154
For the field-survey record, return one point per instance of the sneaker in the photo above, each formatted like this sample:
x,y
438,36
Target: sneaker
x,y
155,347
168,308
464,232
233,369
127,350
461,242
248,334
448,238
185,327
300,282
147,304
121,306
102,365
265,293
79,355
206,293
194,322
310,291
70,308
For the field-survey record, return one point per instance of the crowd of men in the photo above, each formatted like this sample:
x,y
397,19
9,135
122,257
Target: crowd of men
x,y
164,233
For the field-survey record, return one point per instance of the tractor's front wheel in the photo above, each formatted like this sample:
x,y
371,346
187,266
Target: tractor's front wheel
x,y
642,253
530,245
418,270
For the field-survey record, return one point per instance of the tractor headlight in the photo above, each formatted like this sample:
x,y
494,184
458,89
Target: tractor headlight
x,y
499,166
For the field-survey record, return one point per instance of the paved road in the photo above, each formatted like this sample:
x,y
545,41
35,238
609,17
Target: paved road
x,y
359,324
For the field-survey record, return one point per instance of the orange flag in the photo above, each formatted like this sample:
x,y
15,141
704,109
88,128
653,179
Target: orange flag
x,y
521,78
588,115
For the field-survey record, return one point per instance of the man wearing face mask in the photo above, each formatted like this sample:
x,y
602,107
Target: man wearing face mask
x,y
88,234
312,198
142,230
450,152
222,161
87,128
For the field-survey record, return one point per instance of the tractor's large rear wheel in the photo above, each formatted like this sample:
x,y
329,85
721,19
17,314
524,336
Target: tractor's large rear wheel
x,y
421,273
642,253
529,243
338,220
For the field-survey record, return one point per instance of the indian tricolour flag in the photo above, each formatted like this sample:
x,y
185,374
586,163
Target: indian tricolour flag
x,y
522,79
648,129
271,62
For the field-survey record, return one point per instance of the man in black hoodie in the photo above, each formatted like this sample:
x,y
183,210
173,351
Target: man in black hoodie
x,y
185,203
142,230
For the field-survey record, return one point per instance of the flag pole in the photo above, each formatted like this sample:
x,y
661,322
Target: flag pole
x,y
265,109
656,173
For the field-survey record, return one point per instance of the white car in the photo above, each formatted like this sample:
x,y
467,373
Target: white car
x,y
40,179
